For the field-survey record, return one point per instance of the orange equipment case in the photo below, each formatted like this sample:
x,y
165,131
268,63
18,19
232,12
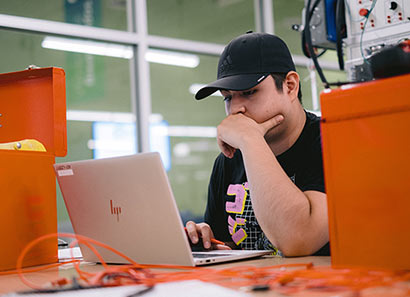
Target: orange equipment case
x,y
366,155
32,106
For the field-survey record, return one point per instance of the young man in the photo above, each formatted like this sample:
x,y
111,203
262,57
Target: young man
x,y
266,190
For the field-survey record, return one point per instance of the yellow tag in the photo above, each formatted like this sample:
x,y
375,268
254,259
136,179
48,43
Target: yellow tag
x,y
24,145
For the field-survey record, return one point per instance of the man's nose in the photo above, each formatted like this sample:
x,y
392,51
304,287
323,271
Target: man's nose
x,y
237,105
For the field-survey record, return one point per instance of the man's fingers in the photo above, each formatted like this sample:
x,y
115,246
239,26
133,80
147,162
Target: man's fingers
x,y
220,247
206,234
191,231
202,230
226,149
271,123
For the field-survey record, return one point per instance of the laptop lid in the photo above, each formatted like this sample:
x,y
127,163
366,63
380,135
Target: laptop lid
x,y
127,203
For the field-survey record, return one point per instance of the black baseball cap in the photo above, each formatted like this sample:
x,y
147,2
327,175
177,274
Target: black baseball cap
x,y
247,60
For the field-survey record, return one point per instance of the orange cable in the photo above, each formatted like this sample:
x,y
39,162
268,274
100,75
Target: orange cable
x,y
277,277
37,268
79,238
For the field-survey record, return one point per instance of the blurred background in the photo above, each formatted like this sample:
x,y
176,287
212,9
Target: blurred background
x,y
132,68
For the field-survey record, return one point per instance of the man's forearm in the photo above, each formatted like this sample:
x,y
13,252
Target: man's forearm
x,y
287,215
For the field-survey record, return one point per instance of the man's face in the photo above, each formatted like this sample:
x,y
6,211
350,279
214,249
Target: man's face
x,y
259,103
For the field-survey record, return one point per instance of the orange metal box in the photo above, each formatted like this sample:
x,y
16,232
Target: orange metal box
x,y
32,106
366,155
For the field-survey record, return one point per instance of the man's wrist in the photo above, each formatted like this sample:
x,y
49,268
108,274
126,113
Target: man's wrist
x,y
250,142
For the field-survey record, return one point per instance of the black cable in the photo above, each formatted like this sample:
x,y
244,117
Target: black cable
x,y
342,83
62,243
321,53
308,39
142,291
304,49
340,31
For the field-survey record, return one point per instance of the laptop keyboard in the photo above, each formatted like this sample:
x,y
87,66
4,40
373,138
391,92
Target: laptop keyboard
x,y
207,255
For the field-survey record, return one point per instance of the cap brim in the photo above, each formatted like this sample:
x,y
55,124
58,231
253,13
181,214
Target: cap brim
x,y
234,82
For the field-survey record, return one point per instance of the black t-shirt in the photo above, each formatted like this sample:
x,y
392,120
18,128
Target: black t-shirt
x,y
229,209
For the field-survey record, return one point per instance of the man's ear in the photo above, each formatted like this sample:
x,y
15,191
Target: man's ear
x,y
292,84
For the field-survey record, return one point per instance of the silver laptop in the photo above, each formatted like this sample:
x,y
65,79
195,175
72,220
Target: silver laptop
x,y
127,203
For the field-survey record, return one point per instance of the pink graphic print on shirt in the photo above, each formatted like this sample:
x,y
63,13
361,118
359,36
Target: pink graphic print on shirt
x,y
239,191
237,235
237,207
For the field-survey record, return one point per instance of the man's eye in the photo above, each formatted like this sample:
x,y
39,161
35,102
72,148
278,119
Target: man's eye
x,y
227,98
248,93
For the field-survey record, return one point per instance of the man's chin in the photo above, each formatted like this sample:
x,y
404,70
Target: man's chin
x,y
274,134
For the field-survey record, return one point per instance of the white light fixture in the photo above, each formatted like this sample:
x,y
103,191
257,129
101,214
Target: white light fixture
x,y
192,131
194,88
88,47
118,51
172,58
100,116
125,117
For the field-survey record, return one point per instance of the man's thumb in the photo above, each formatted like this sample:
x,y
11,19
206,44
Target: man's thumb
x,y
272,122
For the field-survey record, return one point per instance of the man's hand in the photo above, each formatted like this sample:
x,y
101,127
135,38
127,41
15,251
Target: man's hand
x,y
234,129
202,230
